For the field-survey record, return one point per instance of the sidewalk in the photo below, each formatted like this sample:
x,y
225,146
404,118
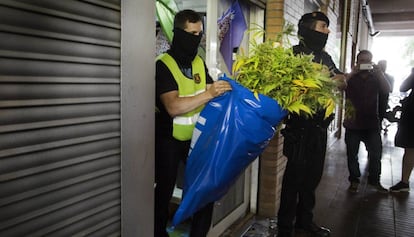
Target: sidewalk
x,y
363,214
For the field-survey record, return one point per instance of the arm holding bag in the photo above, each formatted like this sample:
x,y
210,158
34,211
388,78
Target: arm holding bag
x,y
231,132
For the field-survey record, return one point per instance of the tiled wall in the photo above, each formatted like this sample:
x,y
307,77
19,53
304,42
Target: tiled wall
x,y
272,166
274,17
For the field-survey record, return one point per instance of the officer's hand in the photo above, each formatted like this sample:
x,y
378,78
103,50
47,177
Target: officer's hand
x,y
340,81
219,87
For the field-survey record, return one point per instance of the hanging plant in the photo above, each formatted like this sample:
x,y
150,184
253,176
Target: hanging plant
x,y
298,84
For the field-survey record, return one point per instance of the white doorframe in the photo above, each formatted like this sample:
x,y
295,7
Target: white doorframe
x,y
256,16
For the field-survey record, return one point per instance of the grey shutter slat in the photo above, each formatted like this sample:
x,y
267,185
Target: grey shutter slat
x,y
60,118
23,67
15,43
30,114
54,24
103,216
48,91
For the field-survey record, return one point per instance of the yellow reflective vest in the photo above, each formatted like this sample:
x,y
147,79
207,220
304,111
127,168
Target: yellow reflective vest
x,y
183,125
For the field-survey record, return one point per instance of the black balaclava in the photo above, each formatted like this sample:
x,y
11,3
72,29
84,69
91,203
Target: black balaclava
x,y
184,46
312,39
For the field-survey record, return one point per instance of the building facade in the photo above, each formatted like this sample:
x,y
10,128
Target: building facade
x,y
77,112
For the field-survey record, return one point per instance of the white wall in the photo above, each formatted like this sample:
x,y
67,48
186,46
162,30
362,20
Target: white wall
x,y
137,117
295,9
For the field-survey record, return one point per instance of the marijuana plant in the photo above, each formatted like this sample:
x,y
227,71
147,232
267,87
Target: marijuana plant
x,y
294,81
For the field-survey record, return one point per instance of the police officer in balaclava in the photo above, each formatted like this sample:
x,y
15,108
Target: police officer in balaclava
x,y
305,140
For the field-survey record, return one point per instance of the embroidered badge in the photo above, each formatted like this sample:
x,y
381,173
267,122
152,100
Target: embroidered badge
x,y
197,78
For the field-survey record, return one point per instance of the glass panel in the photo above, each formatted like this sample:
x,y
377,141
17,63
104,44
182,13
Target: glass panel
x,y
233,198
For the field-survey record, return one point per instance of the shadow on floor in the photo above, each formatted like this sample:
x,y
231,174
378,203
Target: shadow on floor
x,y
366,213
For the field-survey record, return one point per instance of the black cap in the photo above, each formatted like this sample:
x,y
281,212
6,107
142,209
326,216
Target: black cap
x,y
313,16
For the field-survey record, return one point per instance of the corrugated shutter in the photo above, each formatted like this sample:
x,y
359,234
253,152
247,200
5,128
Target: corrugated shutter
x,y
60,118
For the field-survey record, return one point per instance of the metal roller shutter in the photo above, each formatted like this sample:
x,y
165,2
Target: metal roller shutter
x,y
60,118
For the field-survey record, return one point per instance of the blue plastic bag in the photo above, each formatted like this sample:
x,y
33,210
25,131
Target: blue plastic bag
x,y
231,132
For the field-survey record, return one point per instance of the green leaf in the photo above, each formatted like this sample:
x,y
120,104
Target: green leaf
x,y
166,10
295,81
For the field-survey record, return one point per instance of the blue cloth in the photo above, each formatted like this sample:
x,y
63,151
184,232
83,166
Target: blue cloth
x,y
231,27
231,132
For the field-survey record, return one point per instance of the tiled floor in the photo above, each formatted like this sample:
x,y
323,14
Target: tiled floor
x,y
366,213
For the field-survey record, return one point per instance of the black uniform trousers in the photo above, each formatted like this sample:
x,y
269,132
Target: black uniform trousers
x,y
168,154
305,149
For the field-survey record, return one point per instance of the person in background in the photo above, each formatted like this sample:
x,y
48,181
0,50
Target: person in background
x,y
383,97
305,140
361,121
405,135
183,87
